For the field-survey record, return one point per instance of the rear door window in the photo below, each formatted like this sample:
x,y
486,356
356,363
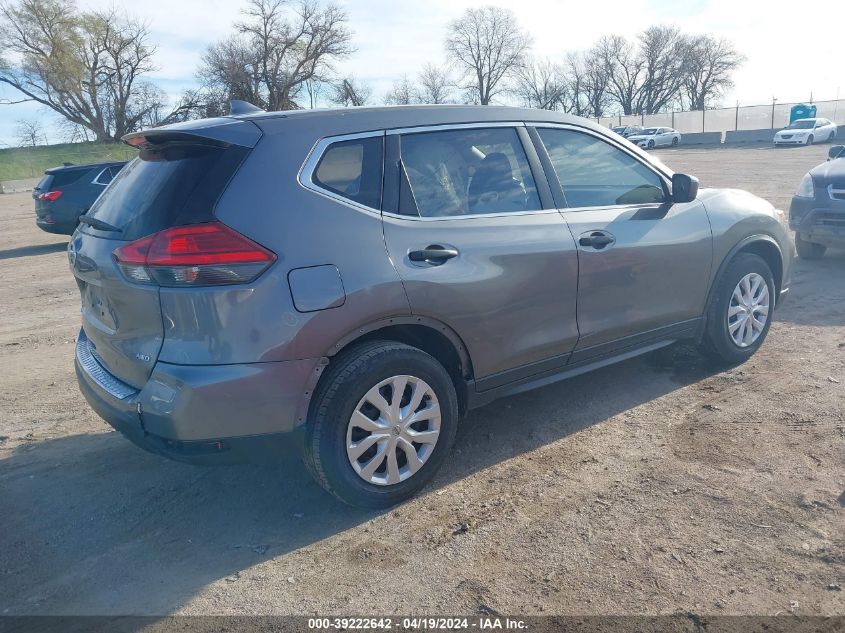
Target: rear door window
x,y
466,172
353,170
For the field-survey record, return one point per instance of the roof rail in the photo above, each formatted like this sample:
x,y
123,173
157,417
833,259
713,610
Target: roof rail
x,y
237,107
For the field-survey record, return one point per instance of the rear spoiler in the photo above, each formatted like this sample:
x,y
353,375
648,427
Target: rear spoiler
x,y
221,132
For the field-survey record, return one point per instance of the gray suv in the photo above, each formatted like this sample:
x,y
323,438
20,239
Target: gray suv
x,y
353,281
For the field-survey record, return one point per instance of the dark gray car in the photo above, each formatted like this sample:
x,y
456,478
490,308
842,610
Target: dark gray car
x,y
355,280
817,211
67,192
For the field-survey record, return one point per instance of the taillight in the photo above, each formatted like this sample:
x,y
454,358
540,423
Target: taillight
x,y
196,255
49,196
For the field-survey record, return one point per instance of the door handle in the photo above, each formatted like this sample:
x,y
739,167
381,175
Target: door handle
x,y
433,254
596,239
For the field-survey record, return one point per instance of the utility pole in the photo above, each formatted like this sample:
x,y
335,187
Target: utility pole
x,y
774,101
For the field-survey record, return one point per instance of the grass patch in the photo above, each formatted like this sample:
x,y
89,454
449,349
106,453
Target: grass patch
x,y
30,162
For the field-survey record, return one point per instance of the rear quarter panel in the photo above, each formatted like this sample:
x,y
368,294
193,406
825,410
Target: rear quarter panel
x,y
259,322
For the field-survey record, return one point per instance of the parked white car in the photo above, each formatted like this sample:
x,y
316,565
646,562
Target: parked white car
x,y
806,132
656,137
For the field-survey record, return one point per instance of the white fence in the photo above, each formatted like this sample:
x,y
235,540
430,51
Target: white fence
x,y
726,119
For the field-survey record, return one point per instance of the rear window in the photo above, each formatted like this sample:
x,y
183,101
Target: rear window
x,y
65,178
172,185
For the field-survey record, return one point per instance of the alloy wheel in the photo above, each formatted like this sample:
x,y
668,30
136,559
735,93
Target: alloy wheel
x,y
748,311
393,430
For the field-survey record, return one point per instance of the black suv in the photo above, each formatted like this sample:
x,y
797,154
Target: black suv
x,y
67,192
817,212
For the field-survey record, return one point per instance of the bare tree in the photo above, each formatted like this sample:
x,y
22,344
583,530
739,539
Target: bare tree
x,y
663,56
403,92
624,68
487,45
541,84
587,80
314,88
274,54
85,66
350,92
435,85
710,63
29,132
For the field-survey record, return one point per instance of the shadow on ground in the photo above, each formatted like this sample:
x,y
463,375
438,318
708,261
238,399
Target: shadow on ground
x,y
818,284
93,525
29,251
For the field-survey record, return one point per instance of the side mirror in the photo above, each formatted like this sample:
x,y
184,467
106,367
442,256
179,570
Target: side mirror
x,y
836,151
684,188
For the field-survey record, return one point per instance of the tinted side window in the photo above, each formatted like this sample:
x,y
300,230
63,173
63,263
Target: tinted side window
x,y
353,169
65,178
468,171
594,173
105,176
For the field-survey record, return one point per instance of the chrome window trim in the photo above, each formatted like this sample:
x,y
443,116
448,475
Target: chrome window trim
x,y
664,178
420,129
305,177
468,216
96,180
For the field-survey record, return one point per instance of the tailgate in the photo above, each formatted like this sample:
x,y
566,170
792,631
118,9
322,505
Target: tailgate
x,y
122,321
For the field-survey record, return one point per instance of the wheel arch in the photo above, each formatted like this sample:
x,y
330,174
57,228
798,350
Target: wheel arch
x,y
430,335
762,245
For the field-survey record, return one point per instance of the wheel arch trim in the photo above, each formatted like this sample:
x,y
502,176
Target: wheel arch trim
x,y
739,246
361,331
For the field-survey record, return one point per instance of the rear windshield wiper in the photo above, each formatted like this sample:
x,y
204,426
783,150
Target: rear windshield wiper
x,y
98,224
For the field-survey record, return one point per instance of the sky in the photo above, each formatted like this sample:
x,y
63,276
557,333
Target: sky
x,y
791,51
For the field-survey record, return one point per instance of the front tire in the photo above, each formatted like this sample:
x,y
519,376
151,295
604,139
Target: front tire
x,y
810,140
674,141
381,424
651,144
808,250
740,311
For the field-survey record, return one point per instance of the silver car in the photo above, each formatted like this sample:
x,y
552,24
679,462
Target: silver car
x,y
652,137
352,282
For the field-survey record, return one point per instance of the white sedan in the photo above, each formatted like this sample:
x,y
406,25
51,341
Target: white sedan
x,y
656,137
806,132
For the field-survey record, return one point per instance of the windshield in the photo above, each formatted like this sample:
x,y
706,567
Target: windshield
x,y
649,130
802,125
619,129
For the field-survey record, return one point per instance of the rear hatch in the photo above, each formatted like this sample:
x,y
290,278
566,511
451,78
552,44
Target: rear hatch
x,y
175,181
52,186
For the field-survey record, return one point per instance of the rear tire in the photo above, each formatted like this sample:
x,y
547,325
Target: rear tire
x,y
343,420
808,250
727,312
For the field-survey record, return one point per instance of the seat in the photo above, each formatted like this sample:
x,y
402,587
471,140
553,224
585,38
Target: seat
x,y
494,189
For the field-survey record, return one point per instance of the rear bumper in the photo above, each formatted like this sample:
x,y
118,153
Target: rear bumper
x,y
51,226
208,414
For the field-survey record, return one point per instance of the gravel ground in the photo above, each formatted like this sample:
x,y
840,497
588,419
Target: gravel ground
x,y
659,485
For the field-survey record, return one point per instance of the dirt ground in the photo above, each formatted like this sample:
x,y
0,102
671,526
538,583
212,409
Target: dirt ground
x,y
659,485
